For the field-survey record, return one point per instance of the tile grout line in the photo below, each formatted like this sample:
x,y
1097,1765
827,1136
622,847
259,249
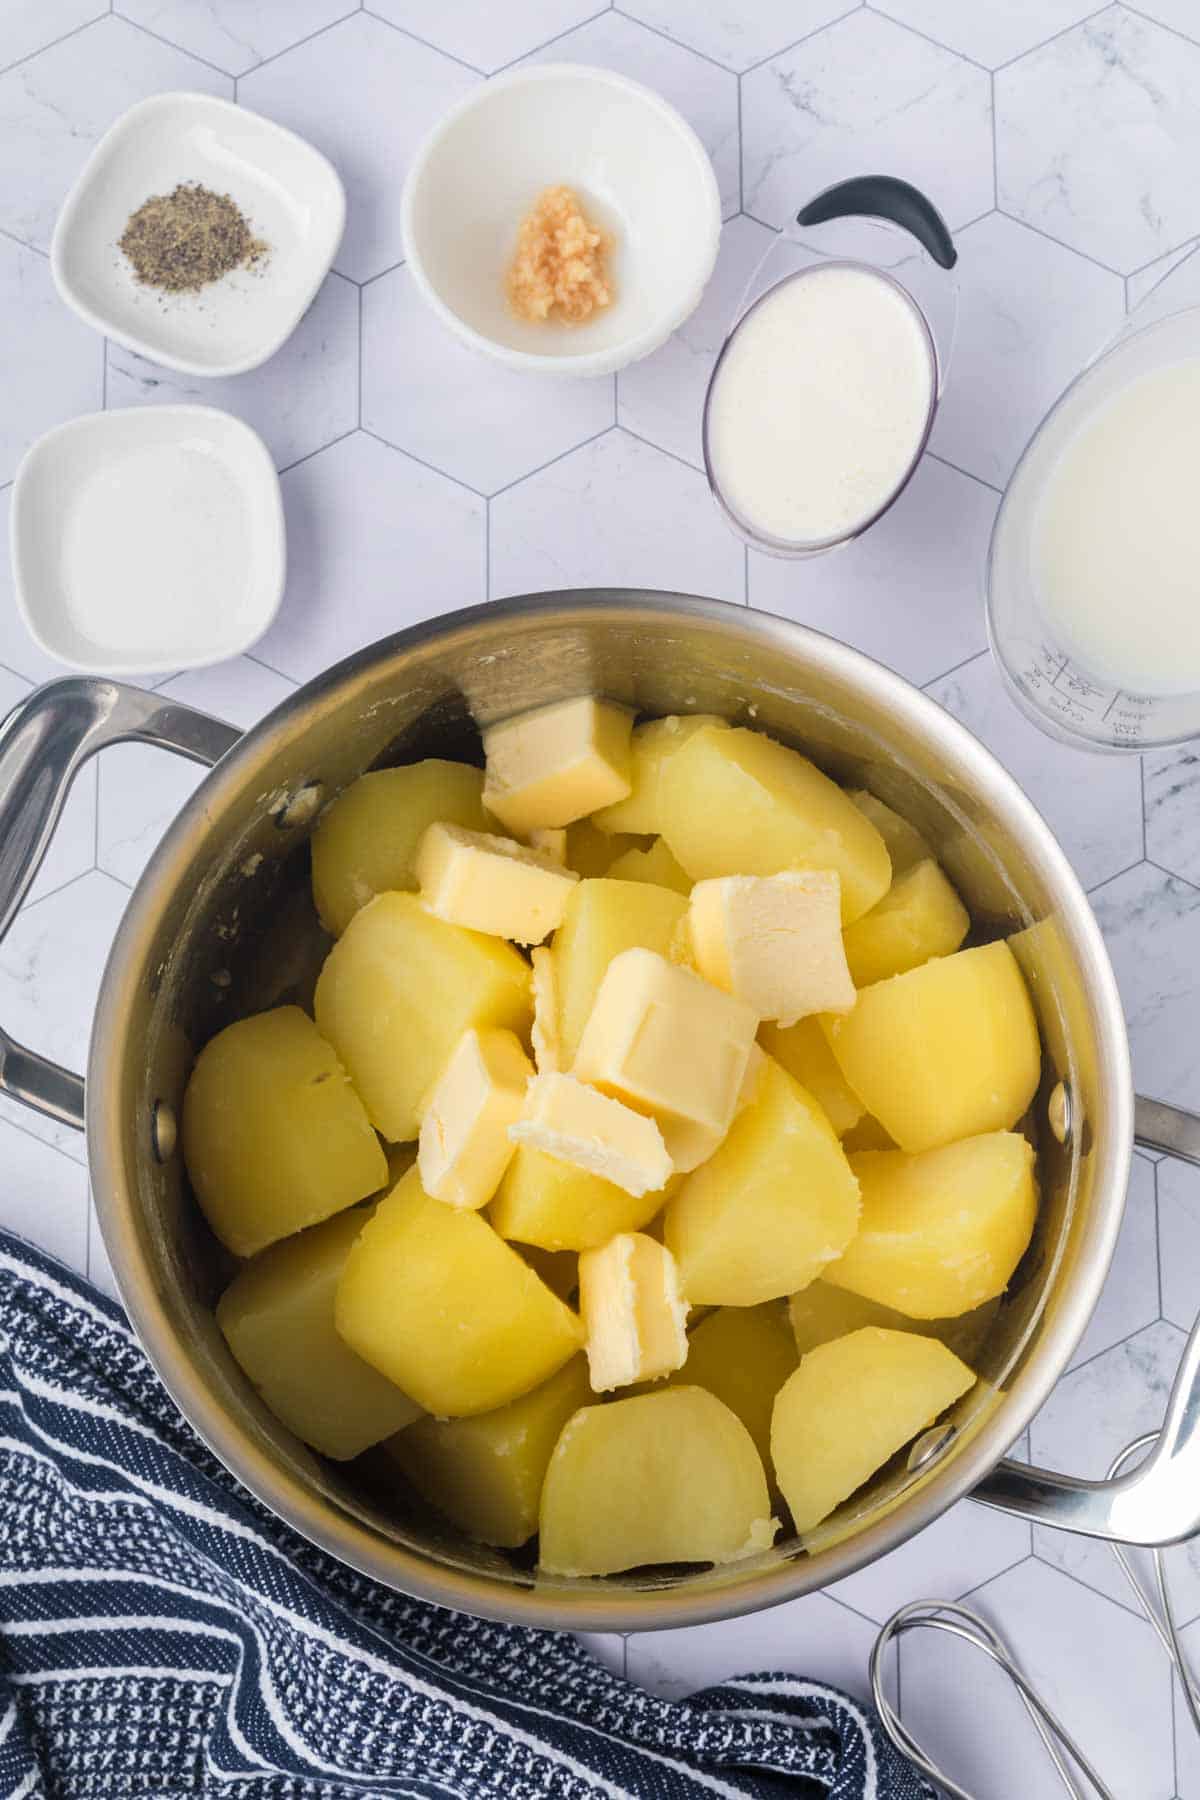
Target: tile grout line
x,y
1126,1606
786,49
880,12
503,68
321,30
24,244
549,464
669,38
309,454
79,1161
53,43
1157,1238
1172,874
1044,43
968,474
1086,255
437,49
1136,864
157,38
956,670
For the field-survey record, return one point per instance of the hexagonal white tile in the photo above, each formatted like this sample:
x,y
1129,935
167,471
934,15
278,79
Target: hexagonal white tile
x,y
236,35
706,96
27,26
1179,15
866,94
1142,282
53,108
989,34
1172,809
303,398
921,561
1100,1669
486,35
1129,1298
662,397
1096,135
142,789
551,531
518,421
366,94
1151,923
1031,315
73,848
964,1548
814,1636
1093,804
37,329
375,542
1179,1238
738,36
41,1184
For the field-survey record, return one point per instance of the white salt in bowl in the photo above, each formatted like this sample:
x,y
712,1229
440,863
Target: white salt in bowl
x,y
641,174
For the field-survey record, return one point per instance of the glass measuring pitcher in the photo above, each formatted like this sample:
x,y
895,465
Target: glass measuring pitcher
x,y
1129,680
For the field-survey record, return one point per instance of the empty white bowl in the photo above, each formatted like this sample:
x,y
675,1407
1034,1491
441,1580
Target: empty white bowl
x,y
148,539
641,173
290,194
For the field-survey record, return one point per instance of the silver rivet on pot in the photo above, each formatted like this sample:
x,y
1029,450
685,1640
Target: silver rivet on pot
x,y
164,1133
300,808
930,1445
1058,1112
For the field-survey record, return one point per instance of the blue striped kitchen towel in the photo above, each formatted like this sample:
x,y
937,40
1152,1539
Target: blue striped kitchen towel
x,y
163,1635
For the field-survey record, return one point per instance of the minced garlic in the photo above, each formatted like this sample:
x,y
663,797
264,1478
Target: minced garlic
x,y
558,271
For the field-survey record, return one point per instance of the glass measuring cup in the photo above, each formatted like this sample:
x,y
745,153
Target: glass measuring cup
x,y
1049,677
886,229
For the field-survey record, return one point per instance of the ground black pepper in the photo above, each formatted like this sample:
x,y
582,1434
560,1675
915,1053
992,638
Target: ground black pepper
x,y
182,241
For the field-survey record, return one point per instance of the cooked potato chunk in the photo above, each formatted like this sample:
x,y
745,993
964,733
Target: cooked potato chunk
x,y
397,992
920,916
277,1318
435,1300
558,1206
666,1477
849,1407
905,843
802,1050
941,1232
366,841
743,1355
737,803
591,853
771,1209
656,865
486,1473
274,1136
944,1052
820,1313
603,918
652,746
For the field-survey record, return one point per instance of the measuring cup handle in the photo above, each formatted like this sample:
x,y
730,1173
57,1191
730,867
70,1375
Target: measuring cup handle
x,y
885,197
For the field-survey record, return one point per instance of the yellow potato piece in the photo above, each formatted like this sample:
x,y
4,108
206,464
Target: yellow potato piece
x,y
557,1206
802,1050
743,1355
440,1304
602,919
868,1134
944,1052
274,1136
736,803
821,1312
397,992
652,746
920,916
656,865
365,843
277,1318
849,1407
591,853
486,1473
941,1232
772,1207
671,1476
906,846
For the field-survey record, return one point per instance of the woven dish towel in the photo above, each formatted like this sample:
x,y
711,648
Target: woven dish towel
x,y
164,1636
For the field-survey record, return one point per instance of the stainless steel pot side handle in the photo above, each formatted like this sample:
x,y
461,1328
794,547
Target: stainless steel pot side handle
x,y
44,742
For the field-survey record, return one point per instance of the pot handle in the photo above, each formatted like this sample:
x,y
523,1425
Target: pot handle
x,y
1159,1501
44,742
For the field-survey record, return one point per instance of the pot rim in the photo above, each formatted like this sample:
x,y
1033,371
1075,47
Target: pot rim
x,y
587,1608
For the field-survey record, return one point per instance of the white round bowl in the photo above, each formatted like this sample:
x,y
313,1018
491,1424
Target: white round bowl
x,y
641,173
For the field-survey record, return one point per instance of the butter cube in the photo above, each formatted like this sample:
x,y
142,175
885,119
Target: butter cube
x,y
633,1312
775,941
577,1125
669,1044
547,1050
557,764
491,883
464,1147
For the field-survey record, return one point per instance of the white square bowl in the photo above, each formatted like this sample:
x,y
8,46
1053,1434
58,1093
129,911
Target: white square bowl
x,y
148,539
291,195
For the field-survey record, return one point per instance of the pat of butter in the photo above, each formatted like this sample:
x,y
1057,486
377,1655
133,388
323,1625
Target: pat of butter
x,y
669,1044
556,765
547,1051
491,883
464,1146
580,1126
773,940
633,1312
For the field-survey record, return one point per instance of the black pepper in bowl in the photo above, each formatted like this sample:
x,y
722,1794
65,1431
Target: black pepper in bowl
x,y
185,240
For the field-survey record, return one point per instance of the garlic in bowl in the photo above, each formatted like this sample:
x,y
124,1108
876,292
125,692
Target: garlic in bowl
x,y
640,177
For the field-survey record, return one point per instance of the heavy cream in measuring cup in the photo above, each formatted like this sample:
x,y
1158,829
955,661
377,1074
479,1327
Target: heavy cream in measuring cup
x,y
819,406
1115,550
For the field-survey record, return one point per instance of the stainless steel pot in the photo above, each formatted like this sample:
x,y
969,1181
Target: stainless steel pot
x,y
220,925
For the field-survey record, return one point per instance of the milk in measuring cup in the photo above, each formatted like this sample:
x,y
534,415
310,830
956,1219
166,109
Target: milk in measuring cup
x,y
820,406
1115,540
